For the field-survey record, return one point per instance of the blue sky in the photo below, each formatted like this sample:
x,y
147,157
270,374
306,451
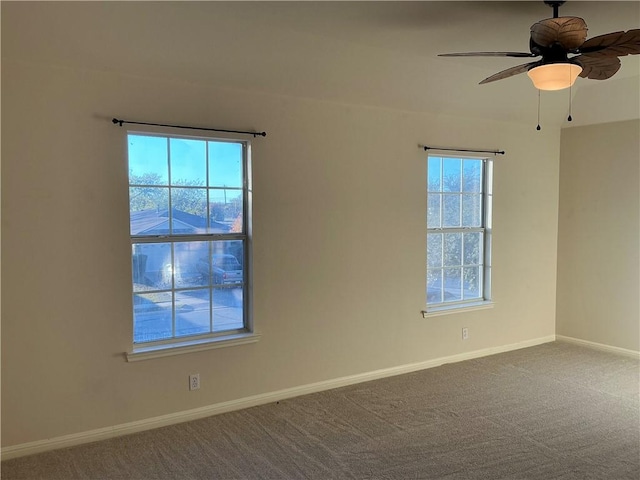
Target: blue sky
x,y
471,171
150,154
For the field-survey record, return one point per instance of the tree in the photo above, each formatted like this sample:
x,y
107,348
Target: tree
x,y
146,197
150,191
229,209
237,224
189,200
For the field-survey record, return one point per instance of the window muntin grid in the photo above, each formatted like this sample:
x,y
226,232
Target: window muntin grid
x,y
188,208
458,230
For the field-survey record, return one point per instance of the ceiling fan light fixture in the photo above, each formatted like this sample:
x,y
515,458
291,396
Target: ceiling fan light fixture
x,y
554,76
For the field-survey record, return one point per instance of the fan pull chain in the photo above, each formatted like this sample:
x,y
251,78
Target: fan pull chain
x,y
569,118
538,127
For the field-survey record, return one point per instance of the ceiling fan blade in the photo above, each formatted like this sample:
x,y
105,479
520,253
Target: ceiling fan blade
x,y
614,44
509,72
489,54
569,32
597,67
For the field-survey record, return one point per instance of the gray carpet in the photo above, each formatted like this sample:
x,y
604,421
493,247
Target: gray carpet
x,y
555,411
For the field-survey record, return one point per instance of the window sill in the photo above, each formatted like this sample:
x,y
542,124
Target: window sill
x,y
459,308
189,346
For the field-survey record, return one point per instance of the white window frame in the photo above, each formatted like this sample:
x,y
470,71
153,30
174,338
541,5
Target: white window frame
x,y
193,343
485,229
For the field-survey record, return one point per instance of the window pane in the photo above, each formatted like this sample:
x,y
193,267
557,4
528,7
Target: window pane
x,y
227,309
152,314
226,210
472,174
139,270
452,249
434,250
226,262
472,248
188,162
149,208
471,282
189,211
433,210
434,180
451,211
224,266
192,312
231,247
148,160
225,164
472,210
434,286
452,284
152,266
190,267
452,174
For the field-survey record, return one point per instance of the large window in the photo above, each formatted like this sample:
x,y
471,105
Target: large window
x,y
458,231
189,203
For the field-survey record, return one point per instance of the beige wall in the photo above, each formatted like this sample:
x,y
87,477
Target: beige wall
x,y
339,256
599,234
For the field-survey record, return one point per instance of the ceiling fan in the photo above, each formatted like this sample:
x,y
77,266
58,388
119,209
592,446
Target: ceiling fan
x,y
566,53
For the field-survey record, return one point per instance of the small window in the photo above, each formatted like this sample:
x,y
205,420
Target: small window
x,y
458,231
188,204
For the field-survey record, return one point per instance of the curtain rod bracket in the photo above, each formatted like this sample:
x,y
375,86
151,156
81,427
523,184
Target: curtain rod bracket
x,y
117,121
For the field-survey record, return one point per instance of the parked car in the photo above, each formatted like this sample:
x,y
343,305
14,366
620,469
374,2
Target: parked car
x,y
225,269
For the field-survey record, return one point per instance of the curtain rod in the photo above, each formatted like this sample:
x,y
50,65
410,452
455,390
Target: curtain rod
x,y
255,134
494,152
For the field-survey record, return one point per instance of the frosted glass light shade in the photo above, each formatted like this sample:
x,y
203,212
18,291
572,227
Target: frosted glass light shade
x,y
554,76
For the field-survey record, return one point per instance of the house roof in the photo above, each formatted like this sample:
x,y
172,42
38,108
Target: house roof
x,y
156,222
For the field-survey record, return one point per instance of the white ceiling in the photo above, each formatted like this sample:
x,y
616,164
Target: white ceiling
x,y
380,54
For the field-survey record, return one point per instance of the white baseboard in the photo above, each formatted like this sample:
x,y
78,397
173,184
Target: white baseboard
x,y
73,439
599,346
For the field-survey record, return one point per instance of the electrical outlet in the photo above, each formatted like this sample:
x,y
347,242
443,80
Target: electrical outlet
x,y
194,381
465,333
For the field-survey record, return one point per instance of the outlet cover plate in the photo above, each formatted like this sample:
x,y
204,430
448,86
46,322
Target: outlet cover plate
x,y
194,381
